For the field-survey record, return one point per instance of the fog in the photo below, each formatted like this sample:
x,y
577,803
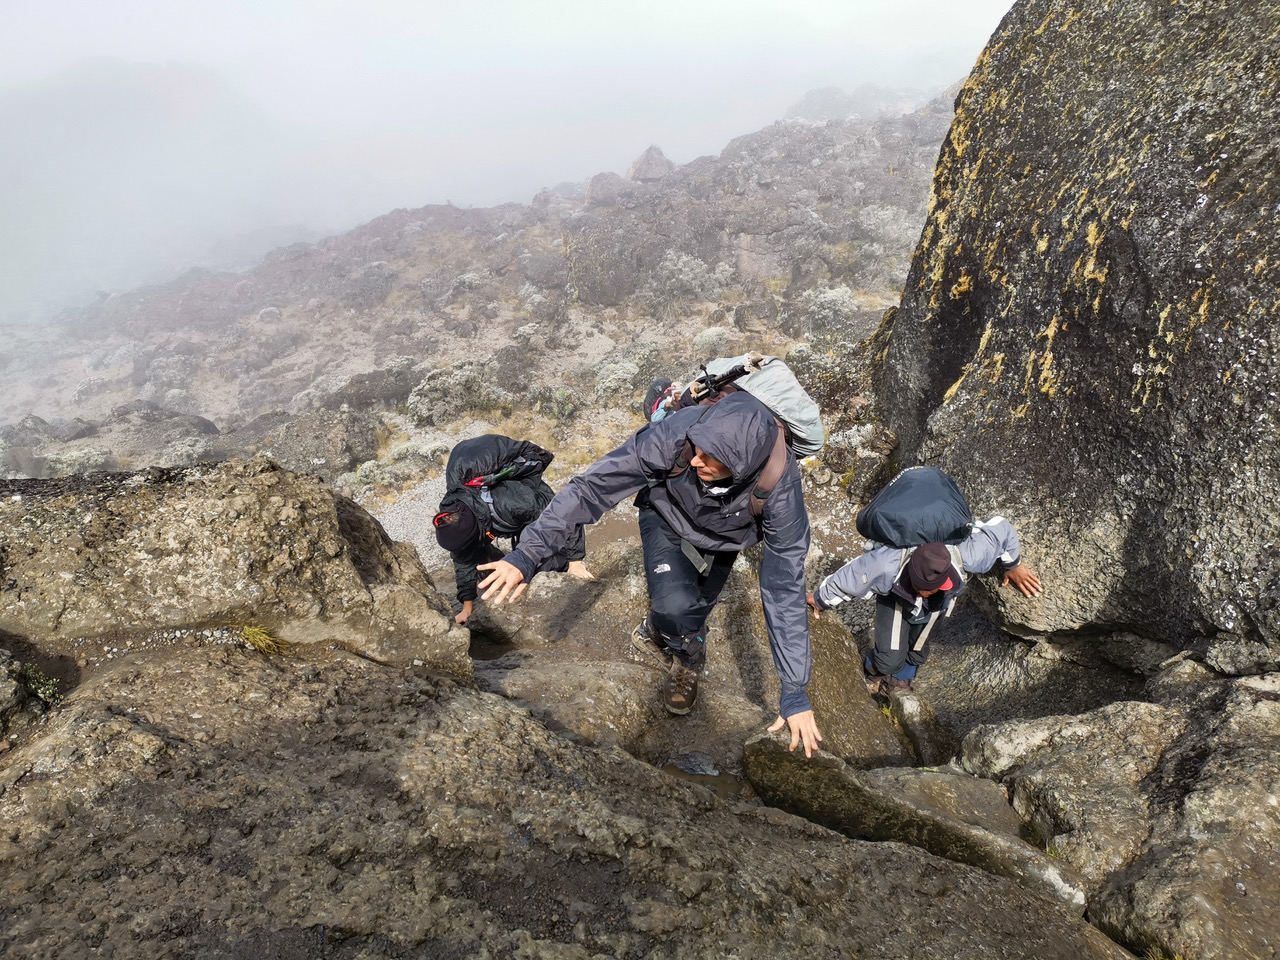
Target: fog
x,y
142,138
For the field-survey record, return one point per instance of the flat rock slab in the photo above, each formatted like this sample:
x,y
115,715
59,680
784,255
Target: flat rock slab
x,y
211,802
958,817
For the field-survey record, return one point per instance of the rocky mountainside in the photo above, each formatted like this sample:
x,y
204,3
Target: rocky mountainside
x,y
271,742
800,231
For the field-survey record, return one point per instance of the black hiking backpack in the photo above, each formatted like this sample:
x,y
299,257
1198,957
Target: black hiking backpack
x,y
920,505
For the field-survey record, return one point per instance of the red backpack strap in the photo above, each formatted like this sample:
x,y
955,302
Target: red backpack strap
x,y
774,467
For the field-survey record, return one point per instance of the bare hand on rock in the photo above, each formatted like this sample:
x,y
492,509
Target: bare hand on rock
x,y
1022,578
803,728
505,578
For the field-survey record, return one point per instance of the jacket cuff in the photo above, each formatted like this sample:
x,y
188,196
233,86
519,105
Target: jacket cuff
x,y
467,593
1007,565
521,562
792,700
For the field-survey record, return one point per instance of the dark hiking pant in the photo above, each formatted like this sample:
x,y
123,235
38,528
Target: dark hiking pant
x,y
680,597
901,646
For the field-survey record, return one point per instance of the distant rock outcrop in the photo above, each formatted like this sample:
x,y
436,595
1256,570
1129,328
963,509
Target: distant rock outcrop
x,y
867,101
1088,338
604,189
650,167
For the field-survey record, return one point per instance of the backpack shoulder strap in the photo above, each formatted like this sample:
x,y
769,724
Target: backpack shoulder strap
x,y
683,458
774,467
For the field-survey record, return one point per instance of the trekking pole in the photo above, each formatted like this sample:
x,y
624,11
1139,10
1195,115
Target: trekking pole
x,y
492,478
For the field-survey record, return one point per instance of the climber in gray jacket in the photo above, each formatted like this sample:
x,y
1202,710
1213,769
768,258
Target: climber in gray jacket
x,y
914,587
696,473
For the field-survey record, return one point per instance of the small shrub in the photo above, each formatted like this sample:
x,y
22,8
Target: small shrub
x,y
712,341
826,308
681,278
616,379
41,686
471,386
562,405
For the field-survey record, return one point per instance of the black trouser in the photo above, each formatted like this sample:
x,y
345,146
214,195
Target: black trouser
x,y
901,646
680,597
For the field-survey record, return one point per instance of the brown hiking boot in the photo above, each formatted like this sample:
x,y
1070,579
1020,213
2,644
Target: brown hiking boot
x,y
874,683
894,685
648,649
682,689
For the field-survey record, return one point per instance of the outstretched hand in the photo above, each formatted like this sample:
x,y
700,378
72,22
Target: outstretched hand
x,y
1022,578
812,601
505,578
803,728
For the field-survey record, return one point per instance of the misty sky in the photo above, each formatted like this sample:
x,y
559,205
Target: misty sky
x,y
364,107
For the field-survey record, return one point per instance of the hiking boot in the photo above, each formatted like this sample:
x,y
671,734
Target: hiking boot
x,y
894,685
874,683
648,648
682,689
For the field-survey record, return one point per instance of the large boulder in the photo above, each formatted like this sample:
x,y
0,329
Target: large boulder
x,y
1079,781
217,803
326,443
604,189
1087,340
117,561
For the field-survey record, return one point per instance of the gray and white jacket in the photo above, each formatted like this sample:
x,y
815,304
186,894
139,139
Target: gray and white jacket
x,y
992,543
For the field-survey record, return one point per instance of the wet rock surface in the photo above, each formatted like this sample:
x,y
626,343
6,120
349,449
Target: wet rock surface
x,y
219,804
113,560
565,650
1087,340
953,815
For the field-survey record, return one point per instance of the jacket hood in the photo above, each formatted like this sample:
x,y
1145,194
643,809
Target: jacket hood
x,y
739,431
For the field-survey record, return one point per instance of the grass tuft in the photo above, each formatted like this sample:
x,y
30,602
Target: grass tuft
x,y
262,641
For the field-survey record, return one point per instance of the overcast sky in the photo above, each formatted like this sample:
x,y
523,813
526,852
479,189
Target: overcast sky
x,y
575,81
365,107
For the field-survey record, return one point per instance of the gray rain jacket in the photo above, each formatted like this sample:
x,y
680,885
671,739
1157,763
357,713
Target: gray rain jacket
x,y
740,432
876,571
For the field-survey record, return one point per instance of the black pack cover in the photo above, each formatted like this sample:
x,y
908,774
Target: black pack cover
x,y
920,505
656,391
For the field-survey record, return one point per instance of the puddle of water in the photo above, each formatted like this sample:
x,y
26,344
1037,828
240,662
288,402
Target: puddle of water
x,y
723,785
612,526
